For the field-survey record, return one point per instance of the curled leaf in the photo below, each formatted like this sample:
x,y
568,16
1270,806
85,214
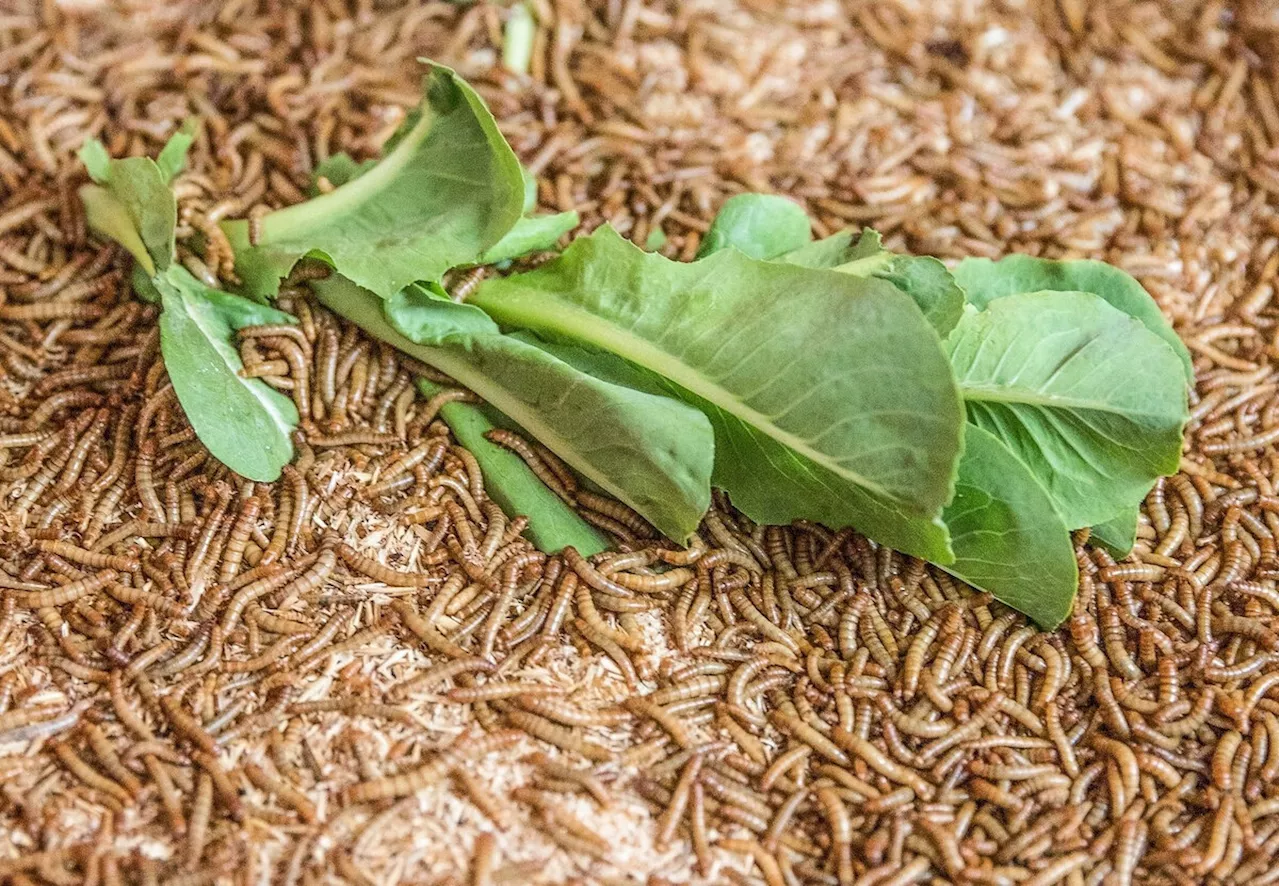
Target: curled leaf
x,y
243,422
757,225
448,189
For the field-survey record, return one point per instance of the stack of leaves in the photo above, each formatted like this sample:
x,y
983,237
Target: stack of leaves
x,y
971,418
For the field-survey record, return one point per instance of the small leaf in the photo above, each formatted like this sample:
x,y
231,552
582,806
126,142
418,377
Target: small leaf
x,y
131,204
244,423
925,279
652,453
533,234
1007,536
173,156
97,162
984,281
1089,399
553,525
1119,534
109,217
447,190
757,225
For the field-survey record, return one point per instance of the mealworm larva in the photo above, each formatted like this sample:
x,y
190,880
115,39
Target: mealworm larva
x,y
135,597
106,754
611,648
580,778
562,737
465,747
273,784
186,726
670,723
198,823
87,774
68,593
494,691
387,575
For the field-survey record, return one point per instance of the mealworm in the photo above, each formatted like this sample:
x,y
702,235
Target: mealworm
x,y
562,737
87,774
198,823
273,784
408,783
67,593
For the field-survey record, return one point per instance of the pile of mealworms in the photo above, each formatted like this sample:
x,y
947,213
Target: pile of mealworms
x,y
362,673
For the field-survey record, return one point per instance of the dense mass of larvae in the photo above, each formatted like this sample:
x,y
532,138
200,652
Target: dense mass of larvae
x,y
834,712
839,713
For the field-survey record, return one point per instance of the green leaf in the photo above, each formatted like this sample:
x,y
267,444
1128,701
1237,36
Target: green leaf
x,y
143,288
653,453
758,225
925,279
1007,536
448,189
984,281
244,423
553,525
109,217
517,39
656,240
338,169
1119,534
842,371
1083,394
769,482
131,203
533,234
173,156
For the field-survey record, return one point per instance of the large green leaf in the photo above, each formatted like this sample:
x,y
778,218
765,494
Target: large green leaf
x,y
925,279
757,225
1083,394
653,453
244,423
984,281
1007,536
769,482
553,525
448,189
842,371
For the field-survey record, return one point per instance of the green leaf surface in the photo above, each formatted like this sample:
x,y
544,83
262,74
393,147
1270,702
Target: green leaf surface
x,y
531,234
1083,394
984,281
1007,536
653,453
925,279
131,203
757,225
173,156
1119,534
840,370
767,481
448,189
553,525
244,423
109,217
